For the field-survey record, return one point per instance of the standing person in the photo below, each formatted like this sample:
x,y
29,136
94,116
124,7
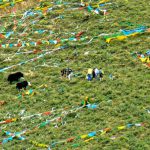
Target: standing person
x,y
101,74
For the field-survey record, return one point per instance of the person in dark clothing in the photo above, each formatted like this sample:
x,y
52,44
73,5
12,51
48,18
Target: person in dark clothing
x,y
101,74
93,73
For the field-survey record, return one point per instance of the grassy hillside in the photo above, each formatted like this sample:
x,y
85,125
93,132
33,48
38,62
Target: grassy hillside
x,y
124,100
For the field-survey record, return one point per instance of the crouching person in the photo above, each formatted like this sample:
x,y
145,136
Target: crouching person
x,y
70,75
67,72
101,74
85,102
96,73
89,76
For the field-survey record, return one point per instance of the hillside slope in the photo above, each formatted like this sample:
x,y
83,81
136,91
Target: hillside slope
x,y
60,34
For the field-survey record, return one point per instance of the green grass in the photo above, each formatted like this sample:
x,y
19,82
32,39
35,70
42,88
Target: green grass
x,y
122,100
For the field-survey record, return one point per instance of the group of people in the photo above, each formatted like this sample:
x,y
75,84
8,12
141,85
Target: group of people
x,y
95,73
91,74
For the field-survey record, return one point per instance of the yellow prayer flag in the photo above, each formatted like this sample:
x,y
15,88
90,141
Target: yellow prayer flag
x,y
121,127
92,138
84,136
58,45
108,40
134,34
122,37
103,1
47,42
143,59
7,45
14,119
148,60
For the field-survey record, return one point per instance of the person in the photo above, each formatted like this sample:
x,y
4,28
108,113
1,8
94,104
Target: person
x,y
70,75
66,72
93,73
85,102
96,73
89,77
89,74
101,73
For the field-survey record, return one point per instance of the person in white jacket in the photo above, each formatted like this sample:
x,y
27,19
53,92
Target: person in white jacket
x,y
96,73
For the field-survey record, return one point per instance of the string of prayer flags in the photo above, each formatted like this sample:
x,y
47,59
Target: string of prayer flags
x,y
8,121
47,113
38,144
29,92
97,3
10,3
33,59
125,34
95,7
97,10
8,34
92,106
91,135
17,135
141,29
144,58
26,44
